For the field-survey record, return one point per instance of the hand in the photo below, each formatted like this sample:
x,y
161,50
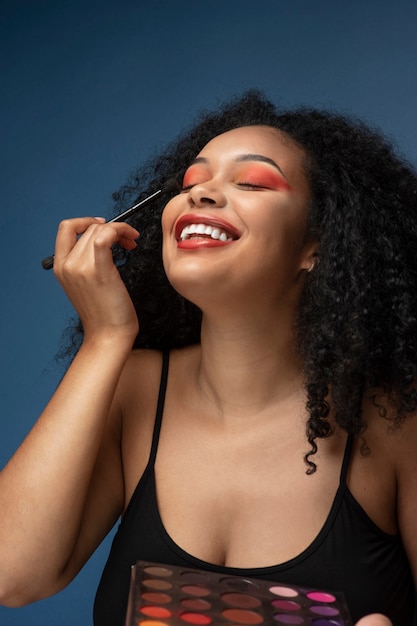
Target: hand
x,y
376,619
84,266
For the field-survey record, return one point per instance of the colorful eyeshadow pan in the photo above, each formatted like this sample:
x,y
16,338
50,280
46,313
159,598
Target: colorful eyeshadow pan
x,y
167,595
284,592
243,601
157,583
195,590
155,597
196,604
155,611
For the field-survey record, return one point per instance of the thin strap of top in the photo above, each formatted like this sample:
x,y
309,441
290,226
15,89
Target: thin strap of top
x,y
160,407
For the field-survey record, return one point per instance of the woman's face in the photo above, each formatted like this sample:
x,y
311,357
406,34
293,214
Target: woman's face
x,y
238,228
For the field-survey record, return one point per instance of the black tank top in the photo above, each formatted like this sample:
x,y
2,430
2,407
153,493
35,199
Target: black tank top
x,y
350,553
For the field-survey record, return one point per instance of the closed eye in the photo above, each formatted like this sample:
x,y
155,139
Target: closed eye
x,y
252,185
186,188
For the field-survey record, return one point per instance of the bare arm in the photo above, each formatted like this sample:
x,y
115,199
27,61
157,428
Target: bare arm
x,y
63,489
406,462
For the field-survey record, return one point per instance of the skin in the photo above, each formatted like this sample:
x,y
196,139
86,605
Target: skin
x,y
234,405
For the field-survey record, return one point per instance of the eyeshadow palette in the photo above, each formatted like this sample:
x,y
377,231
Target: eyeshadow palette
x,y
167,595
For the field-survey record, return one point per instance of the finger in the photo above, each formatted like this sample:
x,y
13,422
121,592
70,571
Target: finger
x,y
108,234
105,237
128,244
374,619
69,232
94,235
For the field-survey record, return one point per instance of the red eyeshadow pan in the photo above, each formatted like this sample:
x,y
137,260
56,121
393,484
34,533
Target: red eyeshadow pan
x,y
155,611
196,618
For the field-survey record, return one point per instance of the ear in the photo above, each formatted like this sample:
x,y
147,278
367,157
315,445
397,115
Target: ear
x,y
310,256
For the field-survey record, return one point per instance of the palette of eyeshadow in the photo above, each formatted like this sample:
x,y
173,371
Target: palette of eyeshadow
x,y
166,595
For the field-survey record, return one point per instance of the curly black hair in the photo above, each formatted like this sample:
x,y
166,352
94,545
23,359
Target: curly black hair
x,y
356,326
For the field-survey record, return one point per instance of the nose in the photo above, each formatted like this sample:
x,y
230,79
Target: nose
x,y
207,194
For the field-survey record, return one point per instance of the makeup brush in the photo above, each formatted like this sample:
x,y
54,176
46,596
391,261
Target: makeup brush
x,y
168,187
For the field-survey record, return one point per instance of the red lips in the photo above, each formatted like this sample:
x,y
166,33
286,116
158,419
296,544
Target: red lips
x,y
209,220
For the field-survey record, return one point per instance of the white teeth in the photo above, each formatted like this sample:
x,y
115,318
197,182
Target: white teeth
x,y
204,229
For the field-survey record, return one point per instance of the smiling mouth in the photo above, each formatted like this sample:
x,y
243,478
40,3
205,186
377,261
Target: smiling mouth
x,y
205,231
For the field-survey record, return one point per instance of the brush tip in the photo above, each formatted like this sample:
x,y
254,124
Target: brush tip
x,y
48,262
170,185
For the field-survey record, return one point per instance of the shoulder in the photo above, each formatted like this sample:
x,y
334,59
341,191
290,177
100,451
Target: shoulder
x,y
140,380
143,369
383,468
395,443
140,375
137,398
395,452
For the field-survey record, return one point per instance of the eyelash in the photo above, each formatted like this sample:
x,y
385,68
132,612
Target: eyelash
x,y
241,184
252,185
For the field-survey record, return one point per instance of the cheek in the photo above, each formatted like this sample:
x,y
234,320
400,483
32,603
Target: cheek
x,y
283,230
165,240
169,216
167,223
165,217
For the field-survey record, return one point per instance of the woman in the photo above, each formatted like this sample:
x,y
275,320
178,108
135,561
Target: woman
x,y
277,351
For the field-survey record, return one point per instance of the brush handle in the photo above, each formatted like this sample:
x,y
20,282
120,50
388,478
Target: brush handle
x,y
170,186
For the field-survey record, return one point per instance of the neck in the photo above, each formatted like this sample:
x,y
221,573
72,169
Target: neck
x,y
248,365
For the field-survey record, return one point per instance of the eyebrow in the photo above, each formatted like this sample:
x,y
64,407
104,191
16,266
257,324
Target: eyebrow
x,y
247,157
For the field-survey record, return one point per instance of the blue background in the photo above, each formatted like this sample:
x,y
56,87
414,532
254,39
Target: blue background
x,y
90,88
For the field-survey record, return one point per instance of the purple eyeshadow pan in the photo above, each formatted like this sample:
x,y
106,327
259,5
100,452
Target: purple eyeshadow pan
x,y
324,610
282,618
286,605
